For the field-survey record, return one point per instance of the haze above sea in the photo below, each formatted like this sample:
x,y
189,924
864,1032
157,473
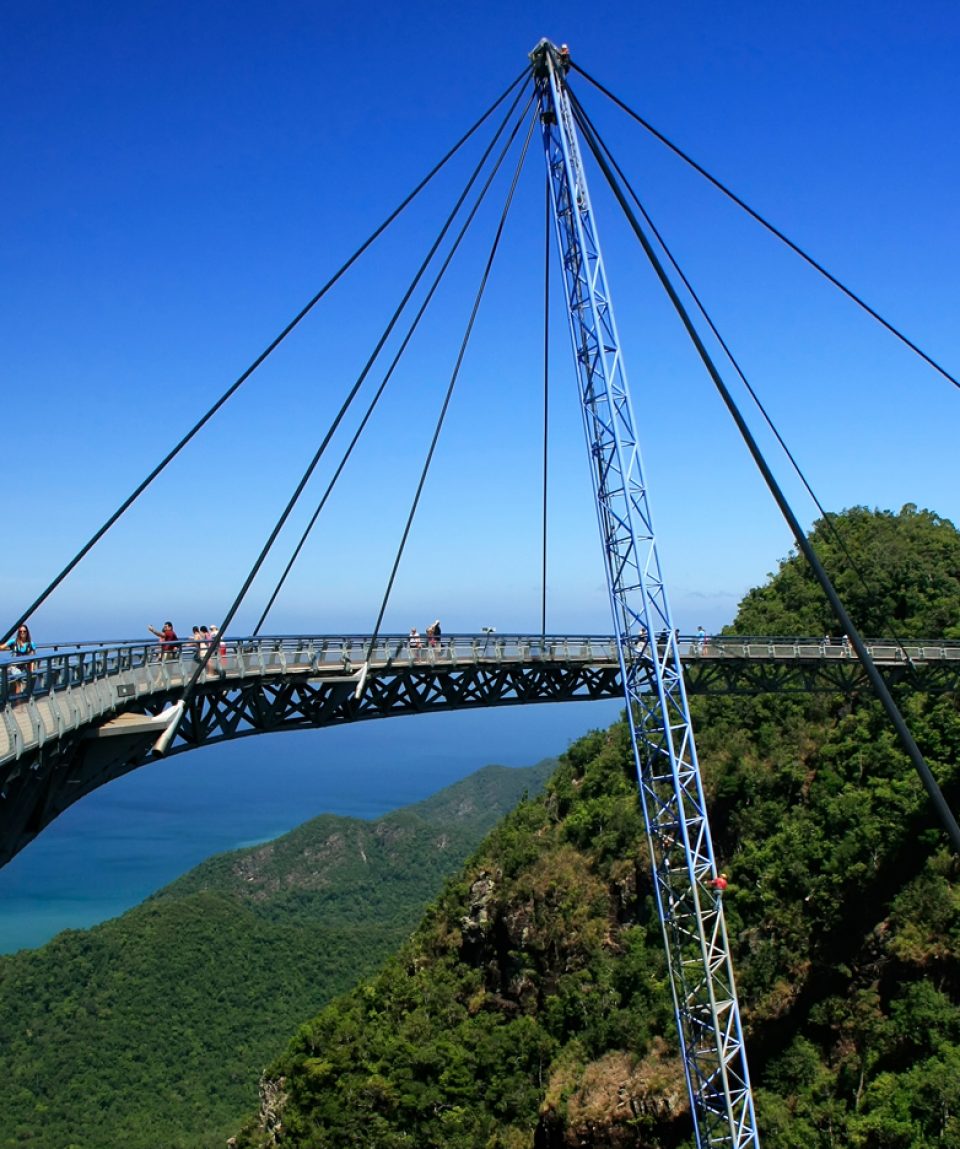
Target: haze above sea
x,y
114,848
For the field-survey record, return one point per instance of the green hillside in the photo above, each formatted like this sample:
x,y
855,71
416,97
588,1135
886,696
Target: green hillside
x,y
530,1008
152,1030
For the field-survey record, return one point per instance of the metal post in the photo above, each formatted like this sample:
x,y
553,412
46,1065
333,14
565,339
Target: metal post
x,y
678,832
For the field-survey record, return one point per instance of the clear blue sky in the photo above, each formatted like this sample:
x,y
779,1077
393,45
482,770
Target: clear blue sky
x,y
180,179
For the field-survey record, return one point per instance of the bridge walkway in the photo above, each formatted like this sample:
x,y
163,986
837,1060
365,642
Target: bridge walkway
x,y
103,688
74,718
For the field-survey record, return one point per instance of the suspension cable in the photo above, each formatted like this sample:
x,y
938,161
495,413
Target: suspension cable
x,y
453,380
305,478
201,422
848,292
890,627
947,819
409,335
546,400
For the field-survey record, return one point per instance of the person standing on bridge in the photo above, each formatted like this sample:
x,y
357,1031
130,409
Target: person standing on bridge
x,y
169,644
21,645
221,646
701,639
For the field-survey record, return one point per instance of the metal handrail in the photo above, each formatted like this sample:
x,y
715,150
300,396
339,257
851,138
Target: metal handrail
x,y
60,666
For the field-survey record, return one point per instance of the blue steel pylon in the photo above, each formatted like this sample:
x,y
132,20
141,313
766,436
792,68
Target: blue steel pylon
x,y
678,832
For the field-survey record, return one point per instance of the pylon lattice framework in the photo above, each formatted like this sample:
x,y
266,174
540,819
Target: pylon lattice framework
x,y
678,832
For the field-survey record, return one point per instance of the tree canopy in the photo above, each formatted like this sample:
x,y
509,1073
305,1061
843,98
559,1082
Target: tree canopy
x,y
894,573
531,1007
153,1029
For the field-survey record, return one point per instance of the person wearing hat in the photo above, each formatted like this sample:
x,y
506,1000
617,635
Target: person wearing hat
x,y
719,883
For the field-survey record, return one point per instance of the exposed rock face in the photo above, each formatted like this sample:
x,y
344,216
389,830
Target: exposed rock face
x,y
607,1103
481,895
273,1097
505,1020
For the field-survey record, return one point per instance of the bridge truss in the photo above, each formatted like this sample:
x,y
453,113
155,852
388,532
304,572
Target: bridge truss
x,y
74,718
92,715
678,832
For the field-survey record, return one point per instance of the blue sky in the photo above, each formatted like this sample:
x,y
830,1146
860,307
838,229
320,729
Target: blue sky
x,y
181,178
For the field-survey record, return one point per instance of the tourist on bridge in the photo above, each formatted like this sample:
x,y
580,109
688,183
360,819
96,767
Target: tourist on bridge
x,y
169,643
22,643
414,639
21,646
433,633
701,639
214,634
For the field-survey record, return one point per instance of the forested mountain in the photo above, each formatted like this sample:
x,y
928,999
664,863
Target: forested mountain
x,y
896,574
151,1031
530,1009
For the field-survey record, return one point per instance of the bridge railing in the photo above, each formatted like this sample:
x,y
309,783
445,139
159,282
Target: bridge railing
x,y
64,666
789,647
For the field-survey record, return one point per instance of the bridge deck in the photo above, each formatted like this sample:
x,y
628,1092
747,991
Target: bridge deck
x,y
70,690
73,719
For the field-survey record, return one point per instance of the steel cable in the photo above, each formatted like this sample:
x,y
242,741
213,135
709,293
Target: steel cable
x,y
168,458
770,227
449,393
892,630
907,741
546,401
409,335
305,478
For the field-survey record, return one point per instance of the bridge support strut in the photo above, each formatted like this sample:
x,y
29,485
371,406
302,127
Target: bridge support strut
x,y
678,832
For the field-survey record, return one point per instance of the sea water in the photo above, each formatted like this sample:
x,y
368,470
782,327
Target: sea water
x,y
133,836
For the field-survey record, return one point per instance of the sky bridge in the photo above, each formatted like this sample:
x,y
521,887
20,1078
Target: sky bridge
x,y
77,716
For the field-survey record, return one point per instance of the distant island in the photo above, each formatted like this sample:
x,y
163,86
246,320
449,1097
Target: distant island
x,y
153,1029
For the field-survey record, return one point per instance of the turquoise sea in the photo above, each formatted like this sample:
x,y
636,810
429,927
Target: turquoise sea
x,y
130,838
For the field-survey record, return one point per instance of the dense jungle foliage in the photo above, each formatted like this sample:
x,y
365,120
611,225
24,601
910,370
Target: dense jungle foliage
x,y
896,574
152,1030
530,1009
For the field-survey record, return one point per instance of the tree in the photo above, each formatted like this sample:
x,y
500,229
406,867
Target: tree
x,y
894,573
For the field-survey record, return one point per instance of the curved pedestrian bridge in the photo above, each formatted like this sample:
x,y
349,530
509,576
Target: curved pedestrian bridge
x,y
75,717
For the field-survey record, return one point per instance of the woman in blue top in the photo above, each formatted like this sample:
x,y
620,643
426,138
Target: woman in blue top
x,y
21,645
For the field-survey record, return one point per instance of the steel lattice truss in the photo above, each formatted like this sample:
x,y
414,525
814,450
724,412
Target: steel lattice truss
x,y
40,784
290,704
43,779
708,1015
772,676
